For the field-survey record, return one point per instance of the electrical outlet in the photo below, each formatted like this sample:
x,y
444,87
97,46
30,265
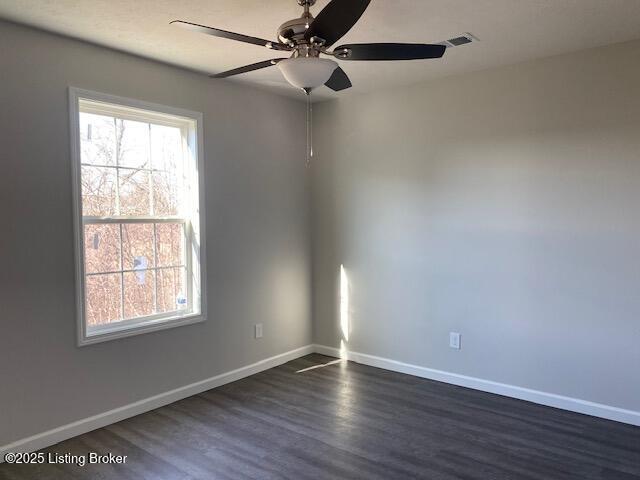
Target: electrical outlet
x,y
258,330
454,340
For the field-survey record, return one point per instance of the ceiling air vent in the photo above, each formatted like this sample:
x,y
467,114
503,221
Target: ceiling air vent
x,y
460,40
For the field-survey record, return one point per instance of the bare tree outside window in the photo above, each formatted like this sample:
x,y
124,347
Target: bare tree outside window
x,y
132,179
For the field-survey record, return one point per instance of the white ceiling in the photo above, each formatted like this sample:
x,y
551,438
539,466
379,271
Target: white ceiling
x,y
510,31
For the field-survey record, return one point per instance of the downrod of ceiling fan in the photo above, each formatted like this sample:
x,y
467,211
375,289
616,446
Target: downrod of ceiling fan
x,y
292,33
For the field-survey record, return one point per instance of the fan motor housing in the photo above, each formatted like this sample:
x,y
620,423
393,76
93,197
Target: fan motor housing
x,y
293,31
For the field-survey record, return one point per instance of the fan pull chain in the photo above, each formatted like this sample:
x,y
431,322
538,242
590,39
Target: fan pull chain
x,y
309,130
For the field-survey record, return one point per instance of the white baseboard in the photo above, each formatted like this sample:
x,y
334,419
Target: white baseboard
x,y
543,398
51,437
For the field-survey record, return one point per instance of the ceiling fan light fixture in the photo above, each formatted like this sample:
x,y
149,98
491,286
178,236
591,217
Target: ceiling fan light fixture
x,y
307,72
308,36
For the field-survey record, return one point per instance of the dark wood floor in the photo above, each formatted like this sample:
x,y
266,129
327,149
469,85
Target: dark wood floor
x,y
346,420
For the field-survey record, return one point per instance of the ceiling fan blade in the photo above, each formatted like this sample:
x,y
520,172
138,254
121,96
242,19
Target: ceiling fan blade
x,y
216,32
336,19
338,81
247,68
388,51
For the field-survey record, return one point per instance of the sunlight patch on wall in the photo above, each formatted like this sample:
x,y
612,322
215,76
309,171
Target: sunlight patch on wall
x,y
344,303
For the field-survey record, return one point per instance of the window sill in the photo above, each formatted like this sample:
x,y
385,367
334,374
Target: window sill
x,y
122,331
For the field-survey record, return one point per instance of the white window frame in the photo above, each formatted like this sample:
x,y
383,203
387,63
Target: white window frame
x,y
196,283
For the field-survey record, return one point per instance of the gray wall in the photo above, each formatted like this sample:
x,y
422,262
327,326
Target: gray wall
x,y
257,235
502,205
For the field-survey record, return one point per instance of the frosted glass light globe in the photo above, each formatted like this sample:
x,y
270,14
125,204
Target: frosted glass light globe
x,y
307,72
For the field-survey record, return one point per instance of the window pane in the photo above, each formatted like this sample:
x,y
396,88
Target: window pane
x,y
134,144
166,148
166,196
137,246
103,299
98,191
172,295
170,244
139,292
101,248
134,192
98,139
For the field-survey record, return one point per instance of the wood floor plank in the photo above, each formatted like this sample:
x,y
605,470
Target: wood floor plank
x,y
318,418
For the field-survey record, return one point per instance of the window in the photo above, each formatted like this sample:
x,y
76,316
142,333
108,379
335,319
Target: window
x,y
138,197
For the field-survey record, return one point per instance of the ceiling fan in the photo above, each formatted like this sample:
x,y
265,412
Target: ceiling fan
x,y
308,38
